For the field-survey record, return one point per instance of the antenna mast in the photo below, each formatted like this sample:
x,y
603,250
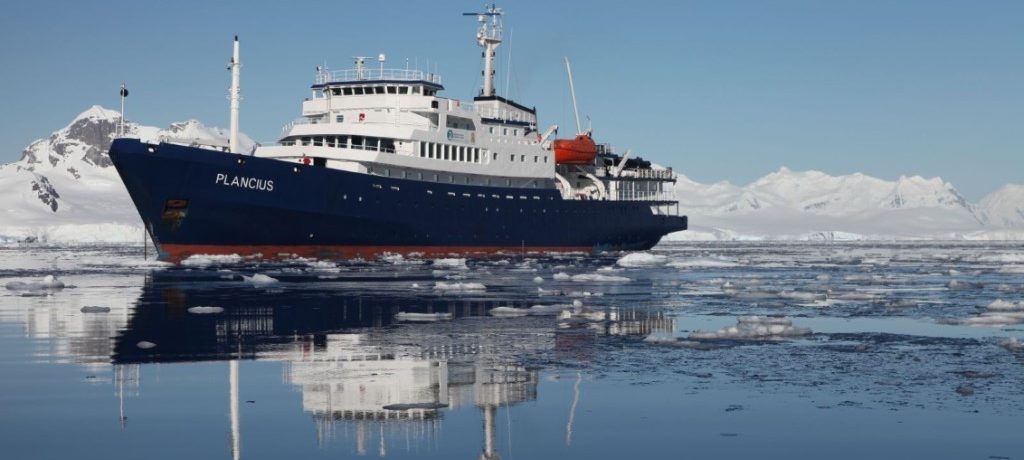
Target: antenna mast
x,y
572,90
488,37
235,95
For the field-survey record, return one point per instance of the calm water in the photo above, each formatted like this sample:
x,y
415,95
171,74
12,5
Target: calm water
x,y
891,351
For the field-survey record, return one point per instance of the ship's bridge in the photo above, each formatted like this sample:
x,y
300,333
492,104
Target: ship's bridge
x,y
362,81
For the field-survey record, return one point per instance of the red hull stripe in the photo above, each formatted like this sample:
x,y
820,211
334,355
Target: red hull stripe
x,y
178,252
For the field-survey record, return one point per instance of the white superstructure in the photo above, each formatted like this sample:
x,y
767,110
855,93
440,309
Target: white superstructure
x,y
393,122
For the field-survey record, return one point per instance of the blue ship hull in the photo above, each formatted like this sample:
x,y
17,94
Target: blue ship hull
x,y
199,201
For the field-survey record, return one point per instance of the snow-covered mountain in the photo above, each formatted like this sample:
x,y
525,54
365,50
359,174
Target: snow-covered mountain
x,y
1004,207
813,205
65,189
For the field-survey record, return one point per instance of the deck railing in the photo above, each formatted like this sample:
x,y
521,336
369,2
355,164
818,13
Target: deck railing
x,y
369,73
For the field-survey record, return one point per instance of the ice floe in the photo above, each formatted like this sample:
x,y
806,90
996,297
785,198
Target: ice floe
x,y
459,287
47,283
754,328
508,312
702,262
641,259
259,279
422,317
599,278
1012,344
538,279
546,310
205,260
561,276
450,264
998,313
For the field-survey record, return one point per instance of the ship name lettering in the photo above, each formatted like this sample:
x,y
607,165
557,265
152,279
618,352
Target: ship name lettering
x,y
251,183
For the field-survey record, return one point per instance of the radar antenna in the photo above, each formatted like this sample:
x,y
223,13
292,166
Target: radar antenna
x,y
488,37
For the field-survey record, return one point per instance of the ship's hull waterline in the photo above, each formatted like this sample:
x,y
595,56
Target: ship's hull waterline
x,y
198,201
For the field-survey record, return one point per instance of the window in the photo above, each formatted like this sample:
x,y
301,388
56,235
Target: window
x,y
522,158
462,153
318,142
476,155
343,141
403,90
490,129
378,89
504,131
347,91
495,158
535,158
339,118
392,90
512,157
305,141
417,89
423,149
515,132
545,158
358,90
433,104
335,91
447,150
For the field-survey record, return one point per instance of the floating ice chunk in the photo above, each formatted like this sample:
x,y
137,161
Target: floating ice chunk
x,y
702,262
989,319
545,310
957,284
801,295
823,277
577,303
458,287
754,328
599,278
1012,344
641,259
415,285
451,264
95,309
1004,305
1012,269
661,338
561,276
1004,258
205,260
259,279
145,345
509,312
538,279
205,310
422,317
47,283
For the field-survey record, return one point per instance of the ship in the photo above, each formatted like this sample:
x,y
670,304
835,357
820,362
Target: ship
x,y
381,163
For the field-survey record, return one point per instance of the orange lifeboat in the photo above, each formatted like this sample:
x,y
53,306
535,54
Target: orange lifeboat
x,y
578,151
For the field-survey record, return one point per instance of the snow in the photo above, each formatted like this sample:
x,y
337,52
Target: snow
x,y
422,317
754,328
205,310
458,287
641,259
259,279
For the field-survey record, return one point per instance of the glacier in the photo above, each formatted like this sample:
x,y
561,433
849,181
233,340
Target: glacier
x,y
64,190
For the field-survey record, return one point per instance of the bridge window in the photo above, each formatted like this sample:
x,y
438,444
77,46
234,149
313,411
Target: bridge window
x,y
358,90
423,149
403,90
318,142
378,89
336,91
346,91
512,157
392,90
305,141
417,89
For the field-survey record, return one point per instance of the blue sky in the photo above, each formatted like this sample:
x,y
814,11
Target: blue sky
x,y
718,89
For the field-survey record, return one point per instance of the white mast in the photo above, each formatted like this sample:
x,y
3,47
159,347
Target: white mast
x,y
572,90
488,37
235,95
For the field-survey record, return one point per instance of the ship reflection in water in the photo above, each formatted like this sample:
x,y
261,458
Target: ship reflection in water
x,y
365,379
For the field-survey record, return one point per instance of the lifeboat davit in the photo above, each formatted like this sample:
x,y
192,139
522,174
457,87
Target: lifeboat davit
x,y
578,151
